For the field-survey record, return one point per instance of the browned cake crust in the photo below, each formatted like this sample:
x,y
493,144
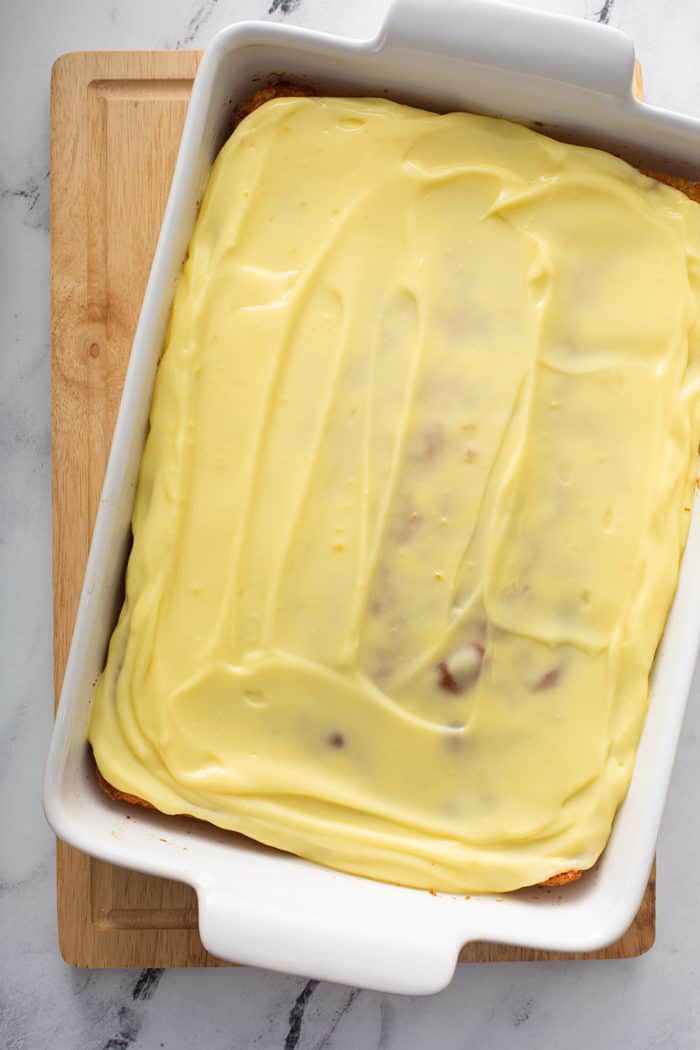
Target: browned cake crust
x,y
122,796
691,189
562,878
284,89
281,90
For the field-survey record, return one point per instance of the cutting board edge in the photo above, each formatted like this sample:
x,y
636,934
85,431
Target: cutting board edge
x,y
83,941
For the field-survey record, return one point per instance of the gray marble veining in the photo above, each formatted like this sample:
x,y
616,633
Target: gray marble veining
x,y
651,1003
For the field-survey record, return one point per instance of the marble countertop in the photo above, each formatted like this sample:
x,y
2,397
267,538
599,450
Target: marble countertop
x,y
649,1003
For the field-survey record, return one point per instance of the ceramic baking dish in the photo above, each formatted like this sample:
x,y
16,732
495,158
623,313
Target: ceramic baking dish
x,y
257,905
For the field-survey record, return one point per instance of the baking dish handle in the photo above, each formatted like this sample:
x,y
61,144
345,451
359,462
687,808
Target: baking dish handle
x,y
535,43
365,946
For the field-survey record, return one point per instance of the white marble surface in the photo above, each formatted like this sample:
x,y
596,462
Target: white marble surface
x,y
650,1003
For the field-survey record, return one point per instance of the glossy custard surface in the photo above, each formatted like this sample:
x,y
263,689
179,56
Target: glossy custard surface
x,y
414,495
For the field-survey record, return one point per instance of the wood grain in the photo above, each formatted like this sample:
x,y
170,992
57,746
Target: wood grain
x,y
116,119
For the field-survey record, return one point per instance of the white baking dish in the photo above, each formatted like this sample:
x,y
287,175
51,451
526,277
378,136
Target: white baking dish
x,y
257,905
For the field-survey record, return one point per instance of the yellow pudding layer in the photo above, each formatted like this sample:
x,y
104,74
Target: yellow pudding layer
x,y
414,495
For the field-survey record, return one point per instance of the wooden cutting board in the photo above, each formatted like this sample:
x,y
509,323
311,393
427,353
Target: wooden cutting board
x,y
116,119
